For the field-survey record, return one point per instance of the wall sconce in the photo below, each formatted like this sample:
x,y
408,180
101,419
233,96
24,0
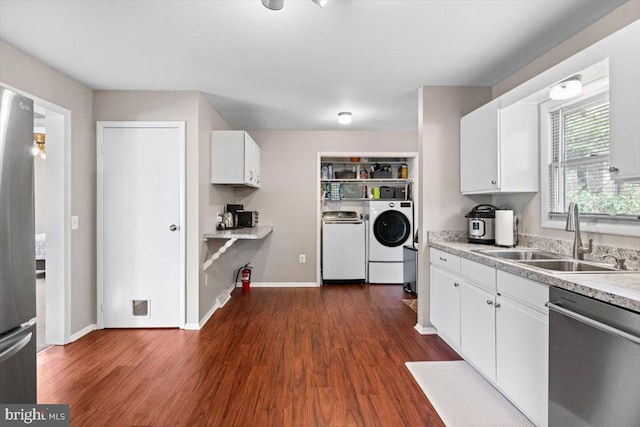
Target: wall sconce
x,y
39,145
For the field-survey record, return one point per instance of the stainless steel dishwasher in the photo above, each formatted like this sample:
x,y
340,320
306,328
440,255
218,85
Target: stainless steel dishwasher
x,y
594,362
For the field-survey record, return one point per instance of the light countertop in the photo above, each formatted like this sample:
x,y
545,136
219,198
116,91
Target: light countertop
x,y
620,289
253,233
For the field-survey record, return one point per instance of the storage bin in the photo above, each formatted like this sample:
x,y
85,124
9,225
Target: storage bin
x,y
400,194
386,192
380,174
352,190
345,174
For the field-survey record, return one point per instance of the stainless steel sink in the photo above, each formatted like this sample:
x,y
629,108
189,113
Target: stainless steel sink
x,y
570,266
520,254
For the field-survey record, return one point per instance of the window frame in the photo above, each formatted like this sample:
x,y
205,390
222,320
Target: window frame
x,y
595,223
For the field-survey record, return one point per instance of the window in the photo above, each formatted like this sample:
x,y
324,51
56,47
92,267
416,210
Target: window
x,y
579,164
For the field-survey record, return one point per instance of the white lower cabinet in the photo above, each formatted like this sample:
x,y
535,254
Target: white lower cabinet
x,y
522,346
477,328
499,324
445,305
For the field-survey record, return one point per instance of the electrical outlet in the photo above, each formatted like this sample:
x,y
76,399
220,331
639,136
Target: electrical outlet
x,y
74,222
302,258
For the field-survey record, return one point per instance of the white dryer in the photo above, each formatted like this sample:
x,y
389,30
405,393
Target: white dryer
x,y
390,227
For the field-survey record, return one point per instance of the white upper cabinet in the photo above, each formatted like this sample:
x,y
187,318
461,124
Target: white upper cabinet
x,y
235,158
624,102
499,149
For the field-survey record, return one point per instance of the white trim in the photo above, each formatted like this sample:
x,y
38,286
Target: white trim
x,y
429,330
58,299
632,230
192,326
620,228
100,126
84,331
281,285
221,301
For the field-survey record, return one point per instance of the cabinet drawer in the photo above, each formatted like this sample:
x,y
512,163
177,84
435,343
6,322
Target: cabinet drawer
x,y
480,273
528,292
445,260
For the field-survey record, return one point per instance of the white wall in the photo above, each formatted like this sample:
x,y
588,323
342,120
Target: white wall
x,y
32,76
289,194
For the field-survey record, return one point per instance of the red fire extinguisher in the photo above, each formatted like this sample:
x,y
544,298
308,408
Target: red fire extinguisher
x,y
246,278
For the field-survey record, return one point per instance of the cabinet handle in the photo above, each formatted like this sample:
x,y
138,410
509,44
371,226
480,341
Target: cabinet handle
x,y
489,302
493,181
443,259
456,284
613,169
497,305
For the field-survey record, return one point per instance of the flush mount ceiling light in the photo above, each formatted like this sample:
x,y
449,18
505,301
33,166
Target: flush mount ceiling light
x,y
344,118
277,4
273,4
567,88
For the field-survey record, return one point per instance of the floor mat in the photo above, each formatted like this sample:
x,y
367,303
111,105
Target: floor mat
x,y
462,397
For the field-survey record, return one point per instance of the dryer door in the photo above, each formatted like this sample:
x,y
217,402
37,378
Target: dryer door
x,y
392,228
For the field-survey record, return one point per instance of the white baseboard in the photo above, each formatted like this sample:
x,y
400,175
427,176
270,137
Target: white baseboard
x,y
428,330
222,299
84,331
191,326
281,285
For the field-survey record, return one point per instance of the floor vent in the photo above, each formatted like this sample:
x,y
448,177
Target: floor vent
x,y
141,308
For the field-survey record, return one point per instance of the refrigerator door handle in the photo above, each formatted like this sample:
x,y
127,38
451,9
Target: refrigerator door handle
x,y
15,347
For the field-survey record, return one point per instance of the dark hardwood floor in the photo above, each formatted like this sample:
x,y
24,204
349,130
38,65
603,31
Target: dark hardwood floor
x,y
330,356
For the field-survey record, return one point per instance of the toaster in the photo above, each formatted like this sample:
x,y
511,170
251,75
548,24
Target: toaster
x,y
246,219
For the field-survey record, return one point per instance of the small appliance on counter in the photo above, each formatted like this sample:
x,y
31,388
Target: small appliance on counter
x,y
481,224
506,228
246,219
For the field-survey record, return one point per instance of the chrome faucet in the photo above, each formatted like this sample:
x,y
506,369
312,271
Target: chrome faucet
x,y
573,224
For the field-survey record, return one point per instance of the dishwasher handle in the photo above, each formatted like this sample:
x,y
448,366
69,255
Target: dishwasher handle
x,y
591,322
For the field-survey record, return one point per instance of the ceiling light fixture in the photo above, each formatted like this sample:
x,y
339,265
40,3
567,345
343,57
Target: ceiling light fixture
x,y
277,4
344,118
567,88
273,4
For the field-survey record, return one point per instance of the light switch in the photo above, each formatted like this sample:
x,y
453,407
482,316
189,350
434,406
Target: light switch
x,y
74,222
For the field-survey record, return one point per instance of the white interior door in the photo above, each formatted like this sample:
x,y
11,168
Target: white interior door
x,y
140,224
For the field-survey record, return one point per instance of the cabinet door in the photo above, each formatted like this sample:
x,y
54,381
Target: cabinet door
x,y
624,102
522,357
477,328
257,154
248,160
479,150
445,305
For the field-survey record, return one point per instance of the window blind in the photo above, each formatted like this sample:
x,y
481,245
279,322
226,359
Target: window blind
x,y
579,169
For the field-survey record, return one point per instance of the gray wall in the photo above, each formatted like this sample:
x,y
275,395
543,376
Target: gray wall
x,y
442,207
203,199
39,79
289,194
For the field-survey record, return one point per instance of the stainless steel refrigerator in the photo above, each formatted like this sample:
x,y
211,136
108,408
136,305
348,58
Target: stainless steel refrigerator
x,y
17,251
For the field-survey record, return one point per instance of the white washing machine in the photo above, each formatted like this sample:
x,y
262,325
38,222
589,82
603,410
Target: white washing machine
x,y
390,227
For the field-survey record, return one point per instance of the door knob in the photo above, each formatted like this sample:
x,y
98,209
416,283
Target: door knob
x,y
173,227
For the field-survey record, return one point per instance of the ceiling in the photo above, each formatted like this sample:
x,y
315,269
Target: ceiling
x,y
296,68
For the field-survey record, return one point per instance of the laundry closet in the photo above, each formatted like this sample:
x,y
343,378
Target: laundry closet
x,y
366,217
